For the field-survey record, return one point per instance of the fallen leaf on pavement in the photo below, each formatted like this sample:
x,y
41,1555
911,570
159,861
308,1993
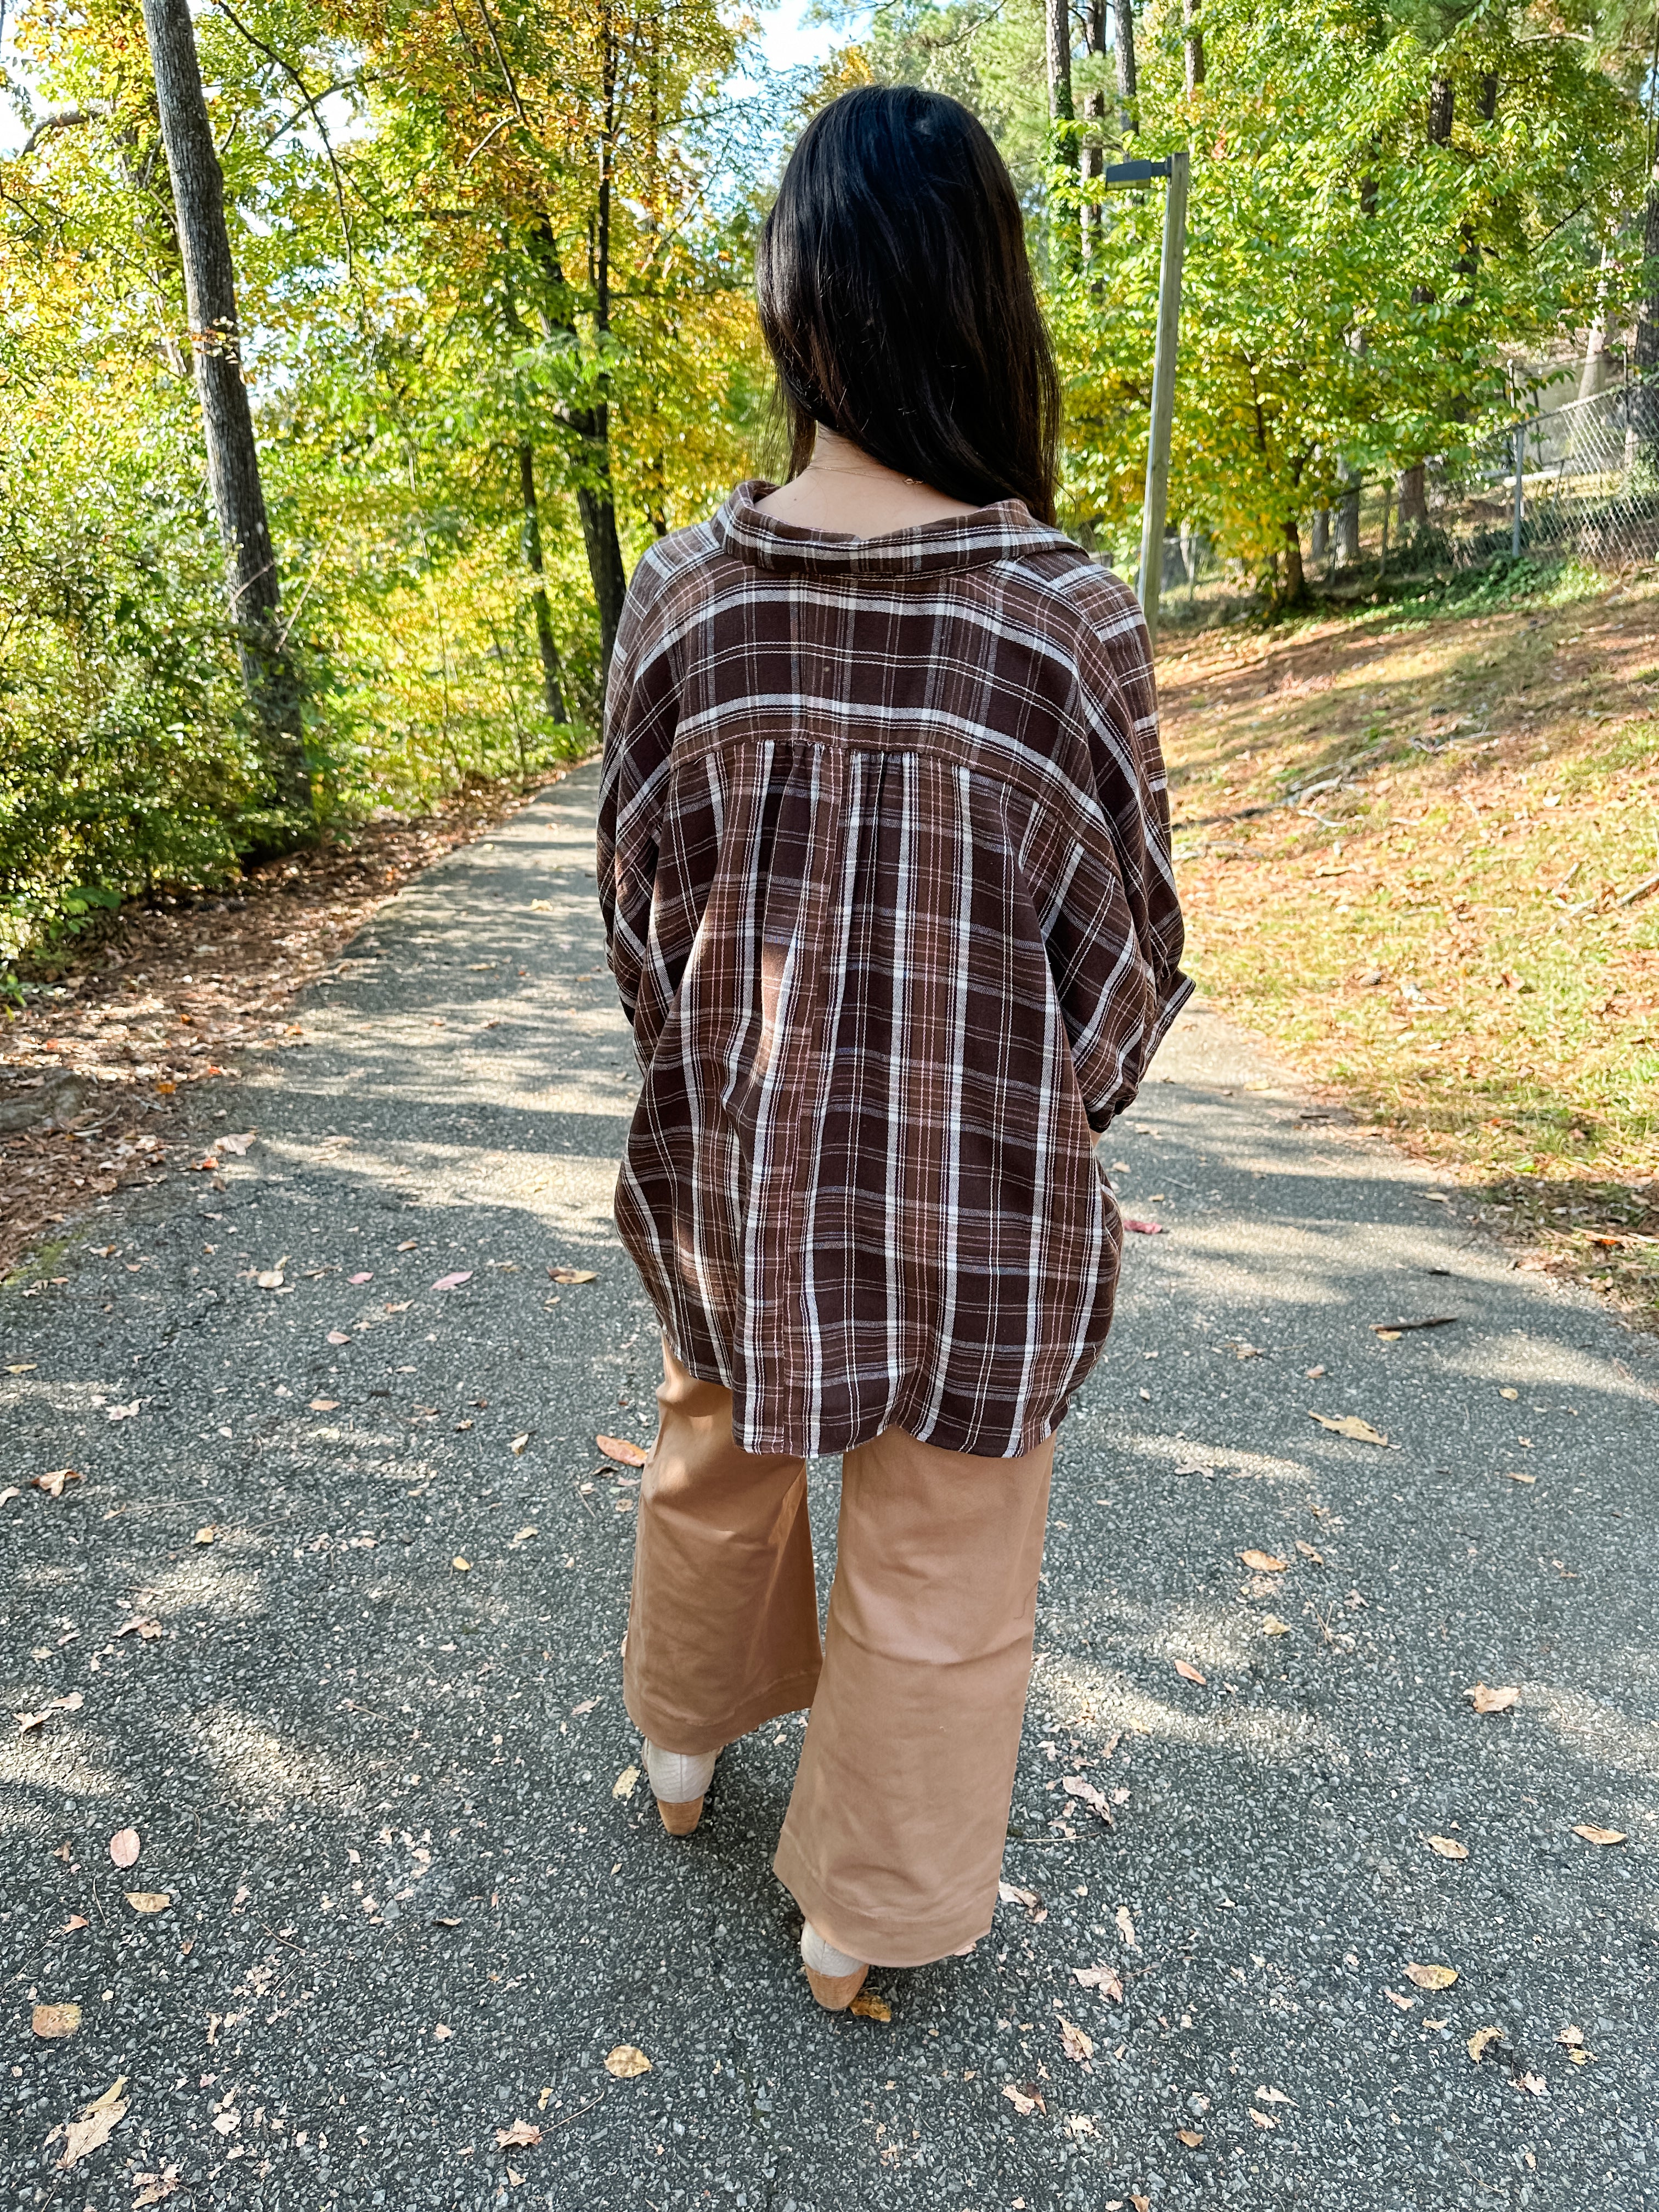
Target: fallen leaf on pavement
x,y
1482,2040
1025,2097
154,2188
1079,2047
524,1536
1272,1625
409,1244
520,2132
1103,1978
1029,1898
325,1406
124,1847
10,1492
71,1703
1264,2095
1191,2137
54,2020
53,1483
366,1277
206,1533
76,1920
573,1275
461,1567
1308,1552
1075,1785
586,1706
621,1450
1188,1673
626,2061
1264,1562
148,1900
1126,1927
1572,2037
1348,1424
518,1444
338,1336
1262,2119
1447,1846
97,2124
440,2033
869,2006
1144,1228
1535,2085
1432,1978
454,1282
624,1785
269,1278
1394,1998
1595,1835
237,1145
1493,1701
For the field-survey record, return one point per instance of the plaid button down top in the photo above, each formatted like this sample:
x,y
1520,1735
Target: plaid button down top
x,y
884,856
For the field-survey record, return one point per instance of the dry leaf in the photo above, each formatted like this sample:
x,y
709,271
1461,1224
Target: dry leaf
x,y
1025,2097
124,1847
1349,1425
148,1900
1079,2047
1264,1562
1126,1927
325,1406
525,1535
1075,1785
1264,2095
1028,1898
440,2033
1482,2040
625,1784
869,2006
1580,2058
123,1412
1308,1552
154,2188
76,1920
55,2020
237,1145
1262,2119
1144,1228
1447,1846
1103,1978
1595,1835
338,1336
521,2132
269,1278
1572,2037
573,1275
1432,1978
1394,1998
97,2124
206,1533
53,1483
144,1625
518,1444
1272,1625
1191,2137
626,2061
586,1706
1535,2085
1188,1673
454,1282
620,1449
1493,1701
461,1567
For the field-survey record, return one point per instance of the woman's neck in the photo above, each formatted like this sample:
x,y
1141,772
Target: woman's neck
x,y
845,493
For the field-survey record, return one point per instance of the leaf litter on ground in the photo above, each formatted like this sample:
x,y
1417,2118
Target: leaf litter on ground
x,y
1493,1701
95,2124
1349,1425
622,1449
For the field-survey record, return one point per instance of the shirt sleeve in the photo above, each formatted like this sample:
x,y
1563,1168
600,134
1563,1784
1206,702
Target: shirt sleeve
x,y
641,709
1115,939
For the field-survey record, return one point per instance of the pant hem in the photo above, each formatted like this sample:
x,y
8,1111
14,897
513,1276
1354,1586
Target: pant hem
x,y
792,1694
873,1938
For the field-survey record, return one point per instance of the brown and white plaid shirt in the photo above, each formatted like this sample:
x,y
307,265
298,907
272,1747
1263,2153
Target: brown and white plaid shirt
x,y
884,853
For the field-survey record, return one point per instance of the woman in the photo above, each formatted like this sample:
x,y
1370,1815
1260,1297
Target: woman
x,y
884,856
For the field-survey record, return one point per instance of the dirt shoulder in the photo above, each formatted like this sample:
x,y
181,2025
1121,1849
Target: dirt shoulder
x,y
111,1033
1419,853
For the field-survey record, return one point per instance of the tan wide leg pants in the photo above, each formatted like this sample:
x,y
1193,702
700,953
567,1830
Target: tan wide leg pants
x,y
893,1841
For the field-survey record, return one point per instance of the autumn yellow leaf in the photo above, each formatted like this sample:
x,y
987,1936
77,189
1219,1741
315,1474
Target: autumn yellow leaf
x,y
621,1450
1191,2137
1432,1978
626,2061
625,1784
97,2123
147,1901
1592,1835
1482,2040
1349,1425
520,2133
869,2006
1447,1846
1493,1701
1263,1563
1272,1625
51,2020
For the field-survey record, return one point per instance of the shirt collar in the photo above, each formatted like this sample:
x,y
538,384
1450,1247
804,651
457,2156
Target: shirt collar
x,y
960,541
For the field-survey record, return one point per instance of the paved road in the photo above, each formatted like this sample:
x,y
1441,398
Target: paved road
x,y
407,1907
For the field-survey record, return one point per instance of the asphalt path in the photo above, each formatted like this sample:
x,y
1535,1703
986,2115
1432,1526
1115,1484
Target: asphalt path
x,y
373,1742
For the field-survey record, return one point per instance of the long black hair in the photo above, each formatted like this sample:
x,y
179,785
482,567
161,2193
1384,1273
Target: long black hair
x,y
896,301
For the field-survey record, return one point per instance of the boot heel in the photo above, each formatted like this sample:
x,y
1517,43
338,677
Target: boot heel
x,y
680,1819
833,1978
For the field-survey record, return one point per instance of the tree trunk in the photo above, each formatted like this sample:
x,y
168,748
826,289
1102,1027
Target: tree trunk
x,y
1058,19
1645,354
1091,162
1194,45
1319,543
232,458
1123,21
1295,588
1440,111
1592,378
1413,499
1348,523
531,538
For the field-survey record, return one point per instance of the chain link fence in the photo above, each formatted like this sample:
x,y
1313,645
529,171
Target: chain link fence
x,y
1587,481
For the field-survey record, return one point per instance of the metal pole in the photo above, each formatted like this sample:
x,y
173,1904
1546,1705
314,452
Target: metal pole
x,y
1164,377
1520,495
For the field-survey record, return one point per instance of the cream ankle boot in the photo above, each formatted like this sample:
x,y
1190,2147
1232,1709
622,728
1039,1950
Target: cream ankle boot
x,y
834,1978
679,1782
